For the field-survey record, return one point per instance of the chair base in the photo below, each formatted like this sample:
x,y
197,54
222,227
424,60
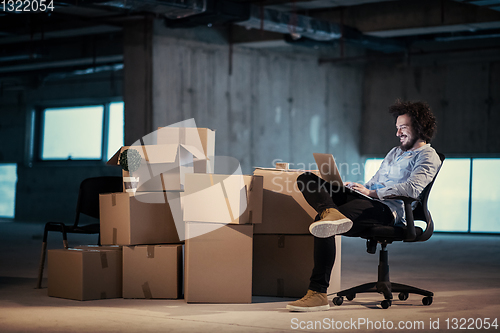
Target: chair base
x,y
378,287
384,286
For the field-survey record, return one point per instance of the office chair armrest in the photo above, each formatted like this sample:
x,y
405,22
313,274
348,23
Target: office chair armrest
x,y
411,234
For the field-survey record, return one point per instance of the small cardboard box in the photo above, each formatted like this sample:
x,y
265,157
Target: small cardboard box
x,y
284,210
141,219
85,274
218,263
152,271
162,167
282,265
234,199
202,139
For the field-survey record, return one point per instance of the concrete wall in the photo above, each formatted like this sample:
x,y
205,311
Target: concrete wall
x,y
462,90
263,105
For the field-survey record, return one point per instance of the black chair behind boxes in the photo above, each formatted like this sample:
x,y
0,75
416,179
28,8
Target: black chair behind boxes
x,y
385,235
88,204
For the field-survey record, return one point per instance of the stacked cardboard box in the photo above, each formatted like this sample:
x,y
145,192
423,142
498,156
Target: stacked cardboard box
x,y
144,221
152,271
139,222
85,273
220,212
229,223
283,246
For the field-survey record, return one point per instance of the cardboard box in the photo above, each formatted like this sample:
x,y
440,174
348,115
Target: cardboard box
x,y
284,210
218,263
141,219
162,167
282,265
234,199
84,274
152,271
202,139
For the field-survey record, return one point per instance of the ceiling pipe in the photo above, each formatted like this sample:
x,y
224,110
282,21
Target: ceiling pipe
x,y
299,26
171,9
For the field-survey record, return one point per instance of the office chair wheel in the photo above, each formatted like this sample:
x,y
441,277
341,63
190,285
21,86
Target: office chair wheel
x,y
338,300
386,303
403,296
350,297
427,300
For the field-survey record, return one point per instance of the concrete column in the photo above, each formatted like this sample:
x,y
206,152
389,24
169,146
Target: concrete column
x,y
137,79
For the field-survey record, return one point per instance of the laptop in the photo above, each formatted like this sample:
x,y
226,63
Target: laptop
x,y
329,171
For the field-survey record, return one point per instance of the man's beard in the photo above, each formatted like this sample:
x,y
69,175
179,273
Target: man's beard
x,y
409,145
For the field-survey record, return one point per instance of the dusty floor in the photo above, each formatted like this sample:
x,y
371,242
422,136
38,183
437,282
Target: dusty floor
x,y
462,270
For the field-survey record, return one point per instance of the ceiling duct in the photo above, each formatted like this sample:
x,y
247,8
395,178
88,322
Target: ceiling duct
x,y
217,12
172,9
491,4
291,23
301,26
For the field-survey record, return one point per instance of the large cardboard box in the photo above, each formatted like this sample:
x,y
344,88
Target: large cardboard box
x,y
218,263
132,220
162,167
85,274
234,199
284,210
152,271
282,265
202,139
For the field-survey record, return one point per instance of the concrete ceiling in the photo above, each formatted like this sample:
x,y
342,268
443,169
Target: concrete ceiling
x,y
32,41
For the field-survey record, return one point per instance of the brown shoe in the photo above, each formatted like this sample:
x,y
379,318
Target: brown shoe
x,y
312,301
332,223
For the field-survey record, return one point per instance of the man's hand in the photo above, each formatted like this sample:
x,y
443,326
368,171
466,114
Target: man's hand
x,y
360,188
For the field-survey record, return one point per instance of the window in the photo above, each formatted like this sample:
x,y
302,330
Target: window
x,y
485,196
8,180
371,167
465,197
449,198
92,132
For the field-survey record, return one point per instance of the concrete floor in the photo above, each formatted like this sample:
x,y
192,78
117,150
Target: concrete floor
x,y
462,270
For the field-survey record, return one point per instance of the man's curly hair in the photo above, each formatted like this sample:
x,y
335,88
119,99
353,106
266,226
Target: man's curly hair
x,y
422,119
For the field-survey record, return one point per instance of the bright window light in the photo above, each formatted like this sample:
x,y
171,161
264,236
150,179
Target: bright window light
x,y
77,133
8,180
449,197
485,208
72,133
115,130
371,167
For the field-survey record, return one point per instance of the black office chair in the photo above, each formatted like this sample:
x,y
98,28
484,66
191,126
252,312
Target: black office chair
x,y
88,204
384,235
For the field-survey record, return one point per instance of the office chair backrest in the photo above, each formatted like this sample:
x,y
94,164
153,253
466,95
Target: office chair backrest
x,y
88,196
421,211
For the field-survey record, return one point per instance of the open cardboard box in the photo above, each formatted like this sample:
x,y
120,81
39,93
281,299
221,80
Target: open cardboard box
x,y
202,139
163,167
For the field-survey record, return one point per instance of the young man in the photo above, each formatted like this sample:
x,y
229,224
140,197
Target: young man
x,y
406,171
